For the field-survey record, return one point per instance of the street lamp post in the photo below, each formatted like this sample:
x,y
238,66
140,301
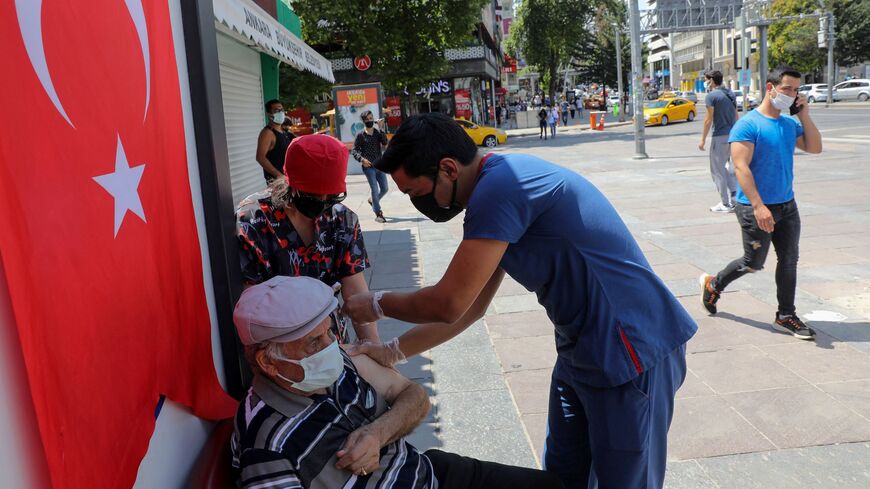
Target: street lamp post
x,y
618,34
636,81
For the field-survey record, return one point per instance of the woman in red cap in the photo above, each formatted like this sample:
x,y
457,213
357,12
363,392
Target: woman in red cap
x,y
298,226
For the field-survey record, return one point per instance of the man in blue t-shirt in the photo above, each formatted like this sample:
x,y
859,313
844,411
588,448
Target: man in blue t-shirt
x,y
721,115
762,148
620,333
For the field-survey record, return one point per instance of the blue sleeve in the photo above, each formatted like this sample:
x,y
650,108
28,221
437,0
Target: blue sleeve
x,y
743,130
710,99
499,209
798,130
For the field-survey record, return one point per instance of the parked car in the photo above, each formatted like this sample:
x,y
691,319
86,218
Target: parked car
x,y
818,92
857,89
751,101
612,99
690,96
665,111
483,135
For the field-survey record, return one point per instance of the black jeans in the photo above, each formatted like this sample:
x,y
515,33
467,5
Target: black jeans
x,y
543,129
756,243
458,472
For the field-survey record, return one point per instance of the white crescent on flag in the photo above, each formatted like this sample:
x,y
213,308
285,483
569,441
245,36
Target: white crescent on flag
x,y
30,22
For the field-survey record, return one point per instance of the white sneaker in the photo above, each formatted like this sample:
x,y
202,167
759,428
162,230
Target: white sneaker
x,y
722,208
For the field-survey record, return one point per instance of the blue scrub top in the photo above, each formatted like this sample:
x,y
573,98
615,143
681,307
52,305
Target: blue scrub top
x,y
614,318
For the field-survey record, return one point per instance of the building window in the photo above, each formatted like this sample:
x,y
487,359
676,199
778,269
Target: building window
x,y
721,43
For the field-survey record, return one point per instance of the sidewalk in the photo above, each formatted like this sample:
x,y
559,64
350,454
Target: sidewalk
x,y
575,126
758,409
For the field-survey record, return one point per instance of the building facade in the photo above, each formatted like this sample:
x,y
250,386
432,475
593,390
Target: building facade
x,y
693,55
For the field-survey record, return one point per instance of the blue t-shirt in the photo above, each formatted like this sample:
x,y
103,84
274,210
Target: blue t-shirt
x,y
772,164
614,318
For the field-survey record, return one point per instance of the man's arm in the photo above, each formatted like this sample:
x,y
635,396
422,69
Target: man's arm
x,y
426,336
265,143
445,302
741,155
350,286
708,123
409,404
811,141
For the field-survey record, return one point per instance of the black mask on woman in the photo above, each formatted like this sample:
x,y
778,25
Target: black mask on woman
x,y
429,207
311,207
370,123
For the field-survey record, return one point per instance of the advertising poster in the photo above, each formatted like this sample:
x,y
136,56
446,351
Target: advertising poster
x,y
394,111
463,103
350,102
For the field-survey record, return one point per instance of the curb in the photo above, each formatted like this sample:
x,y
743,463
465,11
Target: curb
x,y
571,129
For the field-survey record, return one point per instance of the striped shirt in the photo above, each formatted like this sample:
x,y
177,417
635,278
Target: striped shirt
x,y
283,440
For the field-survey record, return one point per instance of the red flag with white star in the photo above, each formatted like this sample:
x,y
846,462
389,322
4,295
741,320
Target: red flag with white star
x,y
99,241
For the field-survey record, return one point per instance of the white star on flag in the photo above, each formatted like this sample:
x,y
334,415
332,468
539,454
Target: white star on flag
x,y
123,184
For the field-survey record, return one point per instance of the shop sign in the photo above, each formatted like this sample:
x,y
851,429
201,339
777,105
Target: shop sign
x,y
440,87
350,102
362,63
394,111
462,98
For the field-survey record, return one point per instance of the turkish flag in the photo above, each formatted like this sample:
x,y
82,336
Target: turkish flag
x,y
99,241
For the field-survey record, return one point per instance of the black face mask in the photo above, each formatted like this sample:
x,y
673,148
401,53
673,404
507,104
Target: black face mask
x,y
429,207
370,123
311,207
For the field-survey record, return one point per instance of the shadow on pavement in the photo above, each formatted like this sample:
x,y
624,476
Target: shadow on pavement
x,y
841,331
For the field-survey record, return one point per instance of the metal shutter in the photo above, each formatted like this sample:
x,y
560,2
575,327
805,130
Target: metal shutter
x,y
242,93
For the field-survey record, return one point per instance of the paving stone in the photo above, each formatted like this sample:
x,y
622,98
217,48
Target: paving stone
x,y
519,324
532,353
800,417
855,395
516,303
687,475
531,390
741,369
693,387
536,428
821,361
708,427
467,369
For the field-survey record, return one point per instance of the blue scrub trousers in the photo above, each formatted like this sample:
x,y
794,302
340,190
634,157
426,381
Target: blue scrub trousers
x,y
613,437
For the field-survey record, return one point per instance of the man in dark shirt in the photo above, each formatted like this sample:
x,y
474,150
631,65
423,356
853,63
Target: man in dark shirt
x,y
367,148
273,141
721,115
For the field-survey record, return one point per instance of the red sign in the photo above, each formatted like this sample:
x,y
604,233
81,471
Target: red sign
x,y
463,103
300,121
106,278
362,63
394,111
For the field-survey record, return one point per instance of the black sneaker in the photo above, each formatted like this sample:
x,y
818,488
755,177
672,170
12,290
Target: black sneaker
x,y
379,217
709,295
793,325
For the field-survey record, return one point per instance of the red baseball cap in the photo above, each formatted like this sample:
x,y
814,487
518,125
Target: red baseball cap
x,y
316,164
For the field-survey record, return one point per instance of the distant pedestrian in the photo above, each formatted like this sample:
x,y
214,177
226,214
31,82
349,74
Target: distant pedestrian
x,y
573,107
536,101
553,120
564,106
579,103
367,148
762,149
721,115
543,114
498,112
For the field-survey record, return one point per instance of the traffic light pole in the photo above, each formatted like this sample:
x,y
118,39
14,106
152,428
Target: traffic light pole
x,y
637,81
762,60
617,35
830,98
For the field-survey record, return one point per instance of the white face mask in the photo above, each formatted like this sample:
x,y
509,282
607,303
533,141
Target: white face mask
x,y
321,369
708,84
278,117
781,101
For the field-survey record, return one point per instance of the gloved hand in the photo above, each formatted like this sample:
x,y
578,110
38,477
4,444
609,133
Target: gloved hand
x,y
387,354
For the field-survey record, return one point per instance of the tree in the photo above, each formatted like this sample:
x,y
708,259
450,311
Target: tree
x,y
405,39
298,88
594,54
795,43
543,32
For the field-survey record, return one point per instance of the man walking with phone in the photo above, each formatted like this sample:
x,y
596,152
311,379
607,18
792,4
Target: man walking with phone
x,y
762,149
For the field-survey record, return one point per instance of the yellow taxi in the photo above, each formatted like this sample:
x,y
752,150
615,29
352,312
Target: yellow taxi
x,y
663,112
483,135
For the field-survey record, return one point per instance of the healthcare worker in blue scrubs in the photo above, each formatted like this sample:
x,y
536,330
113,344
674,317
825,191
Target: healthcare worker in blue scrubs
x,y
620,334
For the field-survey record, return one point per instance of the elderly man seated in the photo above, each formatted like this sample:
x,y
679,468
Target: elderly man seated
x,y
317,418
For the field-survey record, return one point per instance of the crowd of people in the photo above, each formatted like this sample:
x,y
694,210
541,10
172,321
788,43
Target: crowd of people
x,y
327,409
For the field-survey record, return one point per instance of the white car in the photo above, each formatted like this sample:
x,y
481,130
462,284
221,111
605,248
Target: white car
x,y
612,100
751,101
858,89
818,92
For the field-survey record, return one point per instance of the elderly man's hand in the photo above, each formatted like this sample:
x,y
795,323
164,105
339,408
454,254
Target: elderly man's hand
x,y
360,453
360,308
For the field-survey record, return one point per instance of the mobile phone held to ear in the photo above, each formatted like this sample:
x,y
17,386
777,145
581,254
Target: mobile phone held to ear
x,y
794,109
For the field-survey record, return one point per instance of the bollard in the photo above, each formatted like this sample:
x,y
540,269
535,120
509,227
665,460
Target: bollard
x,y
591,121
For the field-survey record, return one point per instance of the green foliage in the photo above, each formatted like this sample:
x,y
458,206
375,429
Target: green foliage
x,y
595,52
405,39
298,88
542,34
795,43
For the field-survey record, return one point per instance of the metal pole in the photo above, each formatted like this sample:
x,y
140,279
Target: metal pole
x,y
829,99
636,80
762,62
745,61
619,86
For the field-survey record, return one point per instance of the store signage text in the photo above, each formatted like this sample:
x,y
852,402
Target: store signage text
x,y
440,87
